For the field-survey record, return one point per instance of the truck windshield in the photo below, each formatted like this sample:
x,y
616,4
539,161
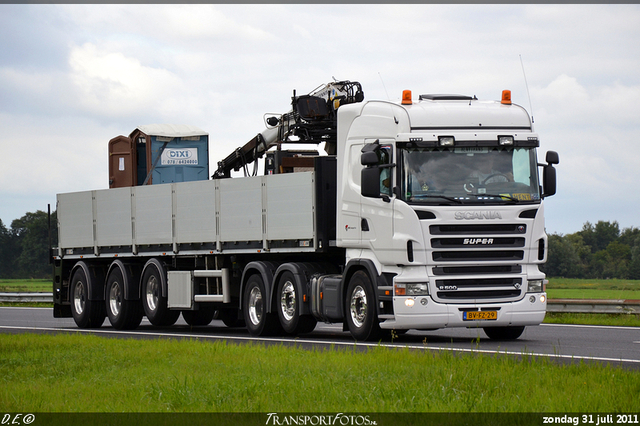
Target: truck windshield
x,y
469,175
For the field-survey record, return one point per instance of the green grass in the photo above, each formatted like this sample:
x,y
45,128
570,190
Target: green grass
x,y
26,286
617,320
84,373
594,284
573,288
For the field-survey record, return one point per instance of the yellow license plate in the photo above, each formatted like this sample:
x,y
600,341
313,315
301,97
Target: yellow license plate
x,y
479,315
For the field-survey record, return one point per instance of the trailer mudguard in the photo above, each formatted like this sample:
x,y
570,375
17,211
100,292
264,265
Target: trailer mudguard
x,y
95,279
131,276
163,275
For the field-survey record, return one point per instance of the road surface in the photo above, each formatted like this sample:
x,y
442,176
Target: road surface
x,y
567,343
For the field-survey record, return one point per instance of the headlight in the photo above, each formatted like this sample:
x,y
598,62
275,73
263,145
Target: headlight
x,y
536,286
412,289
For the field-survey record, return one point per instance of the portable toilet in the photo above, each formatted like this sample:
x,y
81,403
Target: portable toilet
x,y
159,153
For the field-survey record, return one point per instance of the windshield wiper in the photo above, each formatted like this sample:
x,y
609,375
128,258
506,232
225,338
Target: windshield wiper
x,y
509,197
453,200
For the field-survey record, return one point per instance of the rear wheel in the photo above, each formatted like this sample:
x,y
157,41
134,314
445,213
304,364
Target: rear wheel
x,y
361,315
503,333
254,307
123,314
288,310
154,304
86,313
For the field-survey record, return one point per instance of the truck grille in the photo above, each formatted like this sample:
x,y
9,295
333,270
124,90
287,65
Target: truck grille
x,y
478,262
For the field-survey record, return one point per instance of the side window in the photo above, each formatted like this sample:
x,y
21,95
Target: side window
x,y
384,155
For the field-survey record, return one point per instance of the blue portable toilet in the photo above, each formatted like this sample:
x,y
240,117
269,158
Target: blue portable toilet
x,y
169,153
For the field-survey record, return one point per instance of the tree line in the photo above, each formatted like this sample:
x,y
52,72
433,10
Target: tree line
x,y
596,251
24,247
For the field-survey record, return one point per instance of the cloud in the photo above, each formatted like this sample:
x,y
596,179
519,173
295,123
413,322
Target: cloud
x,y
111,84
74,76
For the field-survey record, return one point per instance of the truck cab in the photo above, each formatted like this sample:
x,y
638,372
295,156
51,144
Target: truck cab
x,y
442,198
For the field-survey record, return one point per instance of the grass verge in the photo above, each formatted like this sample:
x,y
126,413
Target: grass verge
x,y
83,373
619,320
26,286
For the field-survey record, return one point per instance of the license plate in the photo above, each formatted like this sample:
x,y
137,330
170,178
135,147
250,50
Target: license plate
x,y
479,315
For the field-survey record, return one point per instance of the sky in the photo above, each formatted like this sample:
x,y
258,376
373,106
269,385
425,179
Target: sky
x,y
72,77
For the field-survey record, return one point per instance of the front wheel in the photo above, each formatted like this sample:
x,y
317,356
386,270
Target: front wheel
x,y
289,311
361,315
503,333
123,314
86,313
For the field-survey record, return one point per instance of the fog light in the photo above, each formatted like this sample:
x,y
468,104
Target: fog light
x,y
532,299
409,303
543,298
424,301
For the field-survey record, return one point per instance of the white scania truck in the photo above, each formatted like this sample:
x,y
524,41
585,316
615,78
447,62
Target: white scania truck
x,y
422,214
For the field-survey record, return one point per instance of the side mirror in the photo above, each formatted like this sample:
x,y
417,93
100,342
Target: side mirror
x,y
369,155
369,158
370,181
549,181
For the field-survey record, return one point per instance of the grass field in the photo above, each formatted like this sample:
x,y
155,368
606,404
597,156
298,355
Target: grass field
x,y
26,286
573,288
83,373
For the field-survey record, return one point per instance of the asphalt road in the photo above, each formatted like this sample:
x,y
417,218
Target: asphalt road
x,y
564,343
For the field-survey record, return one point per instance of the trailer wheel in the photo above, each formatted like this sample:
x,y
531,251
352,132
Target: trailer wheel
x,y
86,313
259,322
361,315
503,333
199,318
155,306
123,314
288,311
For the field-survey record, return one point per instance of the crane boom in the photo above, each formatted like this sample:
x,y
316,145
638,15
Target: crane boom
x,y
312,119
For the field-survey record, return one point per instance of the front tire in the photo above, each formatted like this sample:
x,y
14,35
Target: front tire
x,y
86,313
288,310
154,304
254,307
361,314
503,333
123,314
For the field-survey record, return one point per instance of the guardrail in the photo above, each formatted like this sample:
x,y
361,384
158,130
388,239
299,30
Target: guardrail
x,y
579,306
26,297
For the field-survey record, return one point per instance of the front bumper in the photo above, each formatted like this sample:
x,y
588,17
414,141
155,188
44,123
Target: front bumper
x,y
425,313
